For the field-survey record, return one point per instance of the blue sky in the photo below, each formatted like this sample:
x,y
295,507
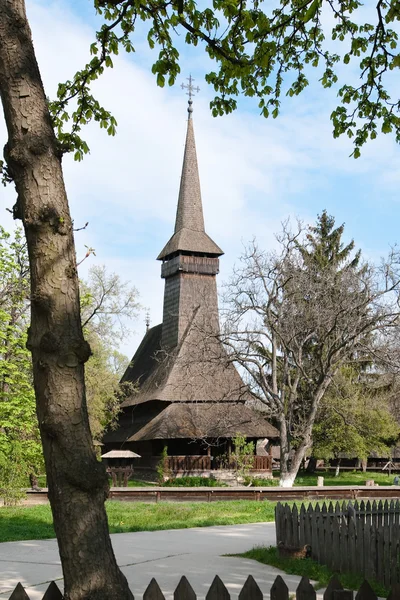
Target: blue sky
x,y
254,172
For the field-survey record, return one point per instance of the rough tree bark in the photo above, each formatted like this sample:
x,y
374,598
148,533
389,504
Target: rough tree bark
x,y
77,482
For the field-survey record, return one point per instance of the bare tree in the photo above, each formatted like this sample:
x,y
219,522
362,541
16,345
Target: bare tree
x,y
291,324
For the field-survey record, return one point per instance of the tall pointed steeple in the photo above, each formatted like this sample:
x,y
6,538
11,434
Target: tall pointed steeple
x,y
190,257
189,234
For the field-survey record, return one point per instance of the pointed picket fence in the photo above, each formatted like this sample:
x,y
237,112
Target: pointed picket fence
x,y
362,538
250,591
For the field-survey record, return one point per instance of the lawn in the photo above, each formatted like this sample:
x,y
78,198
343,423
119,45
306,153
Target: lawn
x,y
311,569
35,522
303,479
344,478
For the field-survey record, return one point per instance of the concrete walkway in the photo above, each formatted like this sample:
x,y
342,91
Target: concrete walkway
x,y
165,555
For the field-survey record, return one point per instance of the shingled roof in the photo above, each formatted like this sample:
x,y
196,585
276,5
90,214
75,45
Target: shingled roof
x,y
198,370
189,234
197,421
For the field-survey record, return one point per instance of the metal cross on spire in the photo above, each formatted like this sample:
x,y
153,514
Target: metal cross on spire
x,y
191,88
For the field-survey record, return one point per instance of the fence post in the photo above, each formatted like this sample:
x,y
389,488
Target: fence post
x,y
305,590
19,593
295,527
278,522
333,585
302,531
352,545
184,590
217,590
279,590
53,592
153,591
250,590
314,533
366,592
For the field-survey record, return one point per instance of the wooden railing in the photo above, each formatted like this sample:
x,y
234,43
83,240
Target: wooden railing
x,y
262,463
250,591
195,462
200,462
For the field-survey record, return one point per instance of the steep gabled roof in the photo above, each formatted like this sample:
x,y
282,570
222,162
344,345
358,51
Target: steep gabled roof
x,y
197,370
193,420
206,420
189,234
145,360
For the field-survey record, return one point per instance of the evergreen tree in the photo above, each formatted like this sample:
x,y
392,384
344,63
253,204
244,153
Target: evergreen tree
x,y
324,246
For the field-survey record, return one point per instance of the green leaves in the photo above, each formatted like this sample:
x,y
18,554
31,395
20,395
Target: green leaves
x,y
257,51
20,448
312,10
354,417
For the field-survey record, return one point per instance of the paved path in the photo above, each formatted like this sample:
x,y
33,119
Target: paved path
x,y
165,555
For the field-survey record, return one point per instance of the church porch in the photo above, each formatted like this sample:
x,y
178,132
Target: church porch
x,y
199,458
205,466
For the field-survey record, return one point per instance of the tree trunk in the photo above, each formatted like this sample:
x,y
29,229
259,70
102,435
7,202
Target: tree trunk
x,y
337,470
312,465
289,465
77,481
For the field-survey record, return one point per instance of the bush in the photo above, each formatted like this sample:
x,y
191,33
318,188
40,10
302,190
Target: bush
x,y
13,475
193,482
162,469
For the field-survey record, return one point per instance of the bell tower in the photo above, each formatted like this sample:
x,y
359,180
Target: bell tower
x,y
190,258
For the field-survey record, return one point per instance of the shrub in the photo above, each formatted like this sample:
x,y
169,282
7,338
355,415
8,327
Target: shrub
x,y
163,472
193,482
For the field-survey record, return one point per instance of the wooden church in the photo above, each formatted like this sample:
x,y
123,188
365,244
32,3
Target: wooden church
x,y
188,396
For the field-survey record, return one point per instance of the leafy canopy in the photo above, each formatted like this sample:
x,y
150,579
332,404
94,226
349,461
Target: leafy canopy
x,y
107,306
259,49
353,419
20,448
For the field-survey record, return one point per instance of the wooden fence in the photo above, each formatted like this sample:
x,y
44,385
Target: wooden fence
x,y
195,462
361,538
250,591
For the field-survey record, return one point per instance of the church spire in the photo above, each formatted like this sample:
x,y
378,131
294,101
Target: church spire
x,y
189,234
189,214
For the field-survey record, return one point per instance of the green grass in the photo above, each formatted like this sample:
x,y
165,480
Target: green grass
x,y
344,478
42,483
194,482
35,522
309,568
303,479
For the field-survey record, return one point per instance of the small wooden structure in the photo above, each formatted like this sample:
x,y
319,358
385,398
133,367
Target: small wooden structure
x,y
119,466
